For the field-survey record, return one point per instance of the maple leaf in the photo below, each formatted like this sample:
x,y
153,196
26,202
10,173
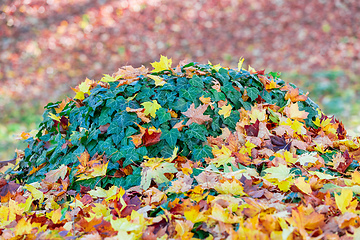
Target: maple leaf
x,y
163,64
158,80
294,113
343,201
278,143
293,94
23,227
271,84
257,114
151,108
54,117
240,63
151,137
7,189
107,78
62,105
205,100
303,185
54,175
247,148
140,113
219,214
194,215
225,110
82,89
25,135
196,114
155,172
130,73
253,129
215,67
281,173
223,156
99,170
307,158
232,187
37,194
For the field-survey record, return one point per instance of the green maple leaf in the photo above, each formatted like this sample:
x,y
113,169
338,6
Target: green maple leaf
x,y
151,108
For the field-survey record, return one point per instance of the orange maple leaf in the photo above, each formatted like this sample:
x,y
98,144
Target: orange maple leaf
x,y
293,94
293,112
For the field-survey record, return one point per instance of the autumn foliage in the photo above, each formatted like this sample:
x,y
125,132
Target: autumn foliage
x,y
194,151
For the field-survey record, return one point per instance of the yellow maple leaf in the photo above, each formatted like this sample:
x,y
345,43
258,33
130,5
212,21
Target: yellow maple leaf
x,y
54,117
205,100
222,215
163,64
27,204
356,177
83,88
289,157
251,70
321,175
215,67
343,201
271,85
322,123
225,110
247,148
98,192
307,159
257,114
280,176
194,215
23,227
37,194
303,185
295,125
158,80
99,170
99,210
240,63
233,187
124,226
56,215
222,156
115,192
151,108
107,78
285,185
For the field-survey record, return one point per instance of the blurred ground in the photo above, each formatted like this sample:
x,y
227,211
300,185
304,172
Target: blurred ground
x,y
46,46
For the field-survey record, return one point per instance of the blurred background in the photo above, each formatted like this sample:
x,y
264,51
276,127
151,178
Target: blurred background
x,y
48,46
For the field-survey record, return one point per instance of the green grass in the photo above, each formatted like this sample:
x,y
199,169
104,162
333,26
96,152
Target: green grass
x,y
336,92
18,118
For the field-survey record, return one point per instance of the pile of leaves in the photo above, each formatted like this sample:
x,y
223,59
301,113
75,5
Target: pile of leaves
x,y
193,151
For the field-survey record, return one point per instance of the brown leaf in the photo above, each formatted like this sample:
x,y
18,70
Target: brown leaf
x,y
196,114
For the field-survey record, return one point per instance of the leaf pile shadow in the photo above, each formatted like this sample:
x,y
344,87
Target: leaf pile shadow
x,y
198,151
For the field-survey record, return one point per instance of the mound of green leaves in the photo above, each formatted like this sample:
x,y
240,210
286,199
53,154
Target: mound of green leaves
x,y
198,151
103,121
